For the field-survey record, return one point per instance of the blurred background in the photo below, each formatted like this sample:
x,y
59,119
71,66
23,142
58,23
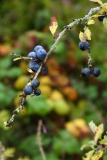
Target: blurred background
x,y
68,101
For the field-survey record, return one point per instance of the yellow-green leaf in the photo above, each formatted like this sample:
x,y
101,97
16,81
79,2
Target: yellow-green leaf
x,y
89,144
30,70
105,22
91,21
104,8
98,132
18,58
92,143
53,25
98,1
95,16
4,115
84,146
9,152
97,155
82,36
104,141
88,34
92,126
88,155
94,0
24,158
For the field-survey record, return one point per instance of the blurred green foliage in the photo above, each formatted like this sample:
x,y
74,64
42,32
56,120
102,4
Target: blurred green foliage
x,y
23,25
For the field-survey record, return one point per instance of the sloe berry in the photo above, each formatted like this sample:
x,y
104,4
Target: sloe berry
x,y
32,54
37,92
41,54
83,45
34,65
95,71
37,48
44,69
35,83
86,72
28,89
100,18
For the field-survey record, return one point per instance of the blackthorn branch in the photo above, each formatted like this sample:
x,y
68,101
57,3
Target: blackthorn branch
x,y
59,36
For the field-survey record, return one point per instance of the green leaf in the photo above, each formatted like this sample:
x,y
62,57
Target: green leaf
x,y
38,105
105,154
92,144
92,91
24,158
5,63
89,144
6,96
51,156
104,140
65,142
92,126
69,146
58,146
60,52
3,73
14,72
105,22
33,149
84,146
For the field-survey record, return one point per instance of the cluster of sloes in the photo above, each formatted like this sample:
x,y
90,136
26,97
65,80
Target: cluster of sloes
x,y
31,88
86,72
39,54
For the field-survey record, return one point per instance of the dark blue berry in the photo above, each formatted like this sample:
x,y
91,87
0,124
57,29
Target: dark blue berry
x,y
83,45
95,71
37,48
86,72
100,18
32,54
41,54
35,83
44,69
34,65
37,92
28,89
